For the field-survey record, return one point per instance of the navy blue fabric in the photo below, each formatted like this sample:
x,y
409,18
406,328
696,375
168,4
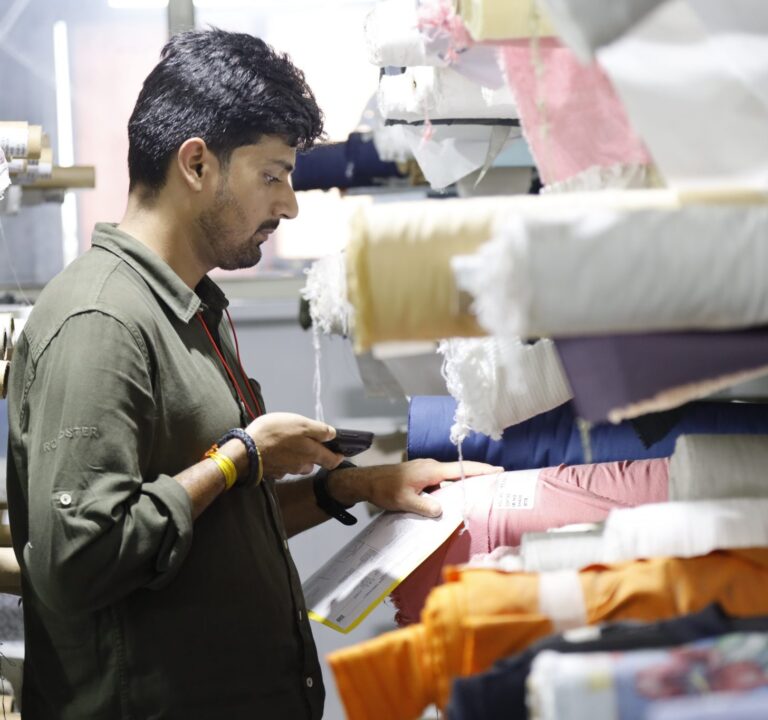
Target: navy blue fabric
x,y
350,164
553,438
499,694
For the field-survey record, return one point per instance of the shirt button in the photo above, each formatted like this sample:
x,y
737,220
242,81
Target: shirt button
x,y
65,499
310,682
301,615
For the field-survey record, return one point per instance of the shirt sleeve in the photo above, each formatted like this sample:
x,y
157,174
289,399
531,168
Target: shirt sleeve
x,y
99,528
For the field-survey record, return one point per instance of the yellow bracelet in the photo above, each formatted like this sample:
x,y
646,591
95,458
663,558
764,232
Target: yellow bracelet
x,y
226,466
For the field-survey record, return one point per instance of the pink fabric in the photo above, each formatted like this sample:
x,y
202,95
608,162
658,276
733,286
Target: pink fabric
x,y
586,123
564,495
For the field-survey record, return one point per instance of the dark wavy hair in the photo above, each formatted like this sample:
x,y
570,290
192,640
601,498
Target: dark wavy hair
x,y
227,88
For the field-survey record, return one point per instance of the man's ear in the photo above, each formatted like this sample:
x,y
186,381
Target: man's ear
x,y
194,162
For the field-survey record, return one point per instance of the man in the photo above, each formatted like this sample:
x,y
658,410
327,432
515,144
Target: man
x,y
153,587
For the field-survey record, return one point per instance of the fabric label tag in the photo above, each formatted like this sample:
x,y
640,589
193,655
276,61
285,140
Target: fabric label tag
x,y
516,490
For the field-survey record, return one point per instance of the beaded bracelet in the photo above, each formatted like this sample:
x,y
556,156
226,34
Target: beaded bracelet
x,y
255,464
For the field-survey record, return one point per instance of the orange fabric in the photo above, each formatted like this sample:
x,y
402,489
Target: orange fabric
x,y
480,615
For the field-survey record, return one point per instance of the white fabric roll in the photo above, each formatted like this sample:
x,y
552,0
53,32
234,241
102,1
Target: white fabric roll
x,y
694,81
428,93
561,599
595,263
5,177
393,37
585,25
684,529
498,382
719,466
671,529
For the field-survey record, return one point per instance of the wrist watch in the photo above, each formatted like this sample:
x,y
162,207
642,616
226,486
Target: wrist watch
x,y
327,503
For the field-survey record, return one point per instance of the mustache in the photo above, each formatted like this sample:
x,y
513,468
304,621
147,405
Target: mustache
x,y
270,225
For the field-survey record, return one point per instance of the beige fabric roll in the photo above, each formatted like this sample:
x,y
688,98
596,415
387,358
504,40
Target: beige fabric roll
x,y
504,19
715,467
399,276
10,573
7,330
5,369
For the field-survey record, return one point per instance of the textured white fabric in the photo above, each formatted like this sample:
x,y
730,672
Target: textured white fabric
x,y
393,37
585,25
684,529
428,93
719,466
672,529
326,292
694,81
592,263
500,381
561,599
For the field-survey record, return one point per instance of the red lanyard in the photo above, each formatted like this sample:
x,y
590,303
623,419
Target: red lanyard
x,y
229,370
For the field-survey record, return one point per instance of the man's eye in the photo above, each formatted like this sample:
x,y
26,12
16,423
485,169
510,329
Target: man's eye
x,y
271,179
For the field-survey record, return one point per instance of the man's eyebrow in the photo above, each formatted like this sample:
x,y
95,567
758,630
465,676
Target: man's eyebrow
x,y
283,164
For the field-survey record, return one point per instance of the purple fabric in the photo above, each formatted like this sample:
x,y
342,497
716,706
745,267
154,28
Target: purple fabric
x,y
613,371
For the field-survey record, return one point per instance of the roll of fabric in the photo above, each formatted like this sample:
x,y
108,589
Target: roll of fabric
x,y
399,277
699,66
478,616
393,38
499,382
624,376
625,685
559,496
554,437
640,256
586,25
500,693
354,163
428,93
504,19
719,466
570,114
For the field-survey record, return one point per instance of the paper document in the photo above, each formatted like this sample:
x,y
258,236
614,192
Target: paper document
x,y
369,567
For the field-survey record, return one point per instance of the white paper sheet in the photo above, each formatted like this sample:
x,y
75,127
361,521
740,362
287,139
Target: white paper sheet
x,y
369,567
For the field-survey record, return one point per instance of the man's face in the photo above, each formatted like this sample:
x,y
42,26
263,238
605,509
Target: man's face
x,y
253,195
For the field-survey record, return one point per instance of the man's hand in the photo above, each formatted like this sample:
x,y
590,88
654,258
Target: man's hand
x,y
399,487
291,443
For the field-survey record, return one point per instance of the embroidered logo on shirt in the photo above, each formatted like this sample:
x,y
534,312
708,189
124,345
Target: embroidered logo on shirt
x,y
71,433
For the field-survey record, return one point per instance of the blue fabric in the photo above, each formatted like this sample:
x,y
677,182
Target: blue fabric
x,y
553,438
350,164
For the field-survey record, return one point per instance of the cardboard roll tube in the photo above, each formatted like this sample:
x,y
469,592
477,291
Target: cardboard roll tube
x,y
19,139
3,342
18,166
77,176
5,370
41,169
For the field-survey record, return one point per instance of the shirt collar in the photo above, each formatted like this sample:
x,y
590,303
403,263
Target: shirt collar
x,y
162,280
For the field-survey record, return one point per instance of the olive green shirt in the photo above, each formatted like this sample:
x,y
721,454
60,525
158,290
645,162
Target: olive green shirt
x,y
131,611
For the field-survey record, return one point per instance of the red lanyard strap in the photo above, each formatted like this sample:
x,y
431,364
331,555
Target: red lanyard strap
x,y
229,370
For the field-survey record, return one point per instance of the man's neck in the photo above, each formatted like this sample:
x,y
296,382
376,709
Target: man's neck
x,y
158,228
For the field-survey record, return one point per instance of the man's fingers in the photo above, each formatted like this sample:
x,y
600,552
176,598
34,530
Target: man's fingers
x,y
319,431
423,505
452,470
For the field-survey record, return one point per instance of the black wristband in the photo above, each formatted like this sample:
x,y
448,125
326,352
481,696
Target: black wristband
x,y
324,500
255,472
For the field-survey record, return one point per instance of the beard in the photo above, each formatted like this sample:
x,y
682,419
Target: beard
x,y
219,225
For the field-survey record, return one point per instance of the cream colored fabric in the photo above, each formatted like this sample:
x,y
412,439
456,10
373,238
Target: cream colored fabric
x,y
399,276
504,19
719,466
5,368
